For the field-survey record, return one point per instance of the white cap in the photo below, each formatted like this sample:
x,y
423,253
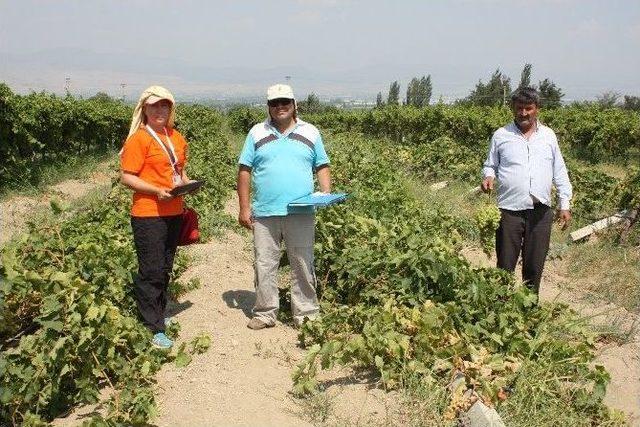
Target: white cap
x,y
155,98
280,91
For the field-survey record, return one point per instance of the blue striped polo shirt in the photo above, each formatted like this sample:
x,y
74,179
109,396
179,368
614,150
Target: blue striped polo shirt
x,y
282,166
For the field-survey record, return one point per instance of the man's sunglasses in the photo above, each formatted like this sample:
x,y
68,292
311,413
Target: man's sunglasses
x,y
280,102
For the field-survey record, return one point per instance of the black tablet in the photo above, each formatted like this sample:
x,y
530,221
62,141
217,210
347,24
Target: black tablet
x,y
183,189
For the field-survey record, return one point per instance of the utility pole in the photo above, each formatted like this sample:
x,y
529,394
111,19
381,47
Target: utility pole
x,y
67,85
122,86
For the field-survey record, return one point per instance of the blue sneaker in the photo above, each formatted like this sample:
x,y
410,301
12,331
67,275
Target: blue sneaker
x,y
160,340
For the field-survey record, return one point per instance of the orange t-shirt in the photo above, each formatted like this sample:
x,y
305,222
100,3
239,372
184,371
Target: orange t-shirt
x,y
143,156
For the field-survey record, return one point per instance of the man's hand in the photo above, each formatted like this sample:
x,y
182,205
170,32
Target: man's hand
x,y
487,184
164,194
244,218
563,217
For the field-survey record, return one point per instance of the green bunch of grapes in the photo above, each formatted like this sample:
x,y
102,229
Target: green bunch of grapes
x,y
487,218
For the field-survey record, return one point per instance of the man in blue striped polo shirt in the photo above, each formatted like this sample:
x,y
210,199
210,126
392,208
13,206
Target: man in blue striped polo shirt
x,y
278,160
525,158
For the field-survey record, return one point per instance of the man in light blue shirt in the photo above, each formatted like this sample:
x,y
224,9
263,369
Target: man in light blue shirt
x,y
525,158
279,158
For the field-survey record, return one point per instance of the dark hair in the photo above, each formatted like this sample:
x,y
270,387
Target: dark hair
x,y
525,95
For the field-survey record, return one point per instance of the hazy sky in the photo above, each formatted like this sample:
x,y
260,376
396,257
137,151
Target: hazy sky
x,y
356,48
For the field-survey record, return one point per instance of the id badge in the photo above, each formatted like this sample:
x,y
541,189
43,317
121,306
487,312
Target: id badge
x,y
177,180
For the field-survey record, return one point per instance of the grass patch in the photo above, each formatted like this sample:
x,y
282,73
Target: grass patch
x,y
454,199
423,403
535,404
608,270
318,408
615,332
76,167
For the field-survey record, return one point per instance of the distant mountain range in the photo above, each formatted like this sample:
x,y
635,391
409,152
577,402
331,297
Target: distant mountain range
x,y
90,72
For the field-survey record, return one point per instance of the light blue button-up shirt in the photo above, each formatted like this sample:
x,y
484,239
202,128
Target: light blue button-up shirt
x,y
526,169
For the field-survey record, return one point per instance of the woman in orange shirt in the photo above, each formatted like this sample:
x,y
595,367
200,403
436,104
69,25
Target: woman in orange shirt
x,y
152,162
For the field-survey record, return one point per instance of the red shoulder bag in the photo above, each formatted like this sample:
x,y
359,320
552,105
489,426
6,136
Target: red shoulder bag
x,y
189,232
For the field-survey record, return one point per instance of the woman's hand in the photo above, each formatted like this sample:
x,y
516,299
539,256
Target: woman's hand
x,y
163,194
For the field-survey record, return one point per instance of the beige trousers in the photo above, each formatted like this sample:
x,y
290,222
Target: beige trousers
x,y
298,233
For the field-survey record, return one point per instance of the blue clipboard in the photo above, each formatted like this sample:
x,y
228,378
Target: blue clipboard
x,y
319,200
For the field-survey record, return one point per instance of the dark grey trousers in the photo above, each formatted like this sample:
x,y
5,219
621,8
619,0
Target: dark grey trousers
x,y
526,231
156,239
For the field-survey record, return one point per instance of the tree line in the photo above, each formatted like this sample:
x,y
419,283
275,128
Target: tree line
x,y
496,91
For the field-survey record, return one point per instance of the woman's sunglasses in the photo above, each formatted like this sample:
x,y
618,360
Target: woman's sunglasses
x,y
280,102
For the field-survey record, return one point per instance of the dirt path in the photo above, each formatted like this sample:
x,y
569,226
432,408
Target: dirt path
x,y
245,377
620,355
15,211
